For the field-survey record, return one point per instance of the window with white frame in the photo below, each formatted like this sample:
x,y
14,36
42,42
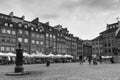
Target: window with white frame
x,y
37,42
2,48
26,26
3,31
20,39
33,41
36,29
47,35
37,35
50,35
12,48
25,40
20,25
32,28
13,32
11,25
6,24
9,31
54,36
26,32
7,48
41,43
33,34
20,31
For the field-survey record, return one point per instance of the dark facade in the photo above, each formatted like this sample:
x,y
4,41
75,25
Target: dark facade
x,y
97,47
87,48
36,36
109,41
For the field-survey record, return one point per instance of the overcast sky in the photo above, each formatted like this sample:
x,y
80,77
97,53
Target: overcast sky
x,y
83,18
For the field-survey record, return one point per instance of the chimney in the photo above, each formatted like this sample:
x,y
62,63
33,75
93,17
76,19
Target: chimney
x,y
23,17
11,14
47,23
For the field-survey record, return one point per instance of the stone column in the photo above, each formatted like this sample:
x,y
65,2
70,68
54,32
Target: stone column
x,y
19,60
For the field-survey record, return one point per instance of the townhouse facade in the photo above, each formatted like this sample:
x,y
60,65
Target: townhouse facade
x,y
97,47
35,36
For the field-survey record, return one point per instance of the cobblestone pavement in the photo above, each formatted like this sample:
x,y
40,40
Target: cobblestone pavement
x,y
64,71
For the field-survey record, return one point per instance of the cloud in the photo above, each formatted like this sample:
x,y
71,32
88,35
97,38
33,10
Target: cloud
x,y
91,4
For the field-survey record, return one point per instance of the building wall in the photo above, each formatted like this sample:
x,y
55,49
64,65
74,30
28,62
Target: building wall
x,y
14,30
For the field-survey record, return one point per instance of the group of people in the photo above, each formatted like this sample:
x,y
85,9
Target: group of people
x,y
92,59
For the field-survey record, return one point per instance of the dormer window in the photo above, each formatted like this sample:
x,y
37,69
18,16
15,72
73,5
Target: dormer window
x,y
20,25
6,24
11,25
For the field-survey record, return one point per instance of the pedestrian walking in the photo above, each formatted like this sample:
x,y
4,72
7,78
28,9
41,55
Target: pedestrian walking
x,y
81,59
94,59
90,59
100,59
47,62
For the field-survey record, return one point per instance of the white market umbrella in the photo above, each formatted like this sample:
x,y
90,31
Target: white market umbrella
x,y
59,56
26,54
3,54
10,54
51,55
68,56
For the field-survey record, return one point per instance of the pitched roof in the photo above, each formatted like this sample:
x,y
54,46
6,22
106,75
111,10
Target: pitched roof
x,y
108,31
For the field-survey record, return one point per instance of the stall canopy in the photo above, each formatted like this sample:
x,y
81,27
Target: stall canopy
x,y
26,54
59,56
106,56
11,54
68,56
51,55
7,54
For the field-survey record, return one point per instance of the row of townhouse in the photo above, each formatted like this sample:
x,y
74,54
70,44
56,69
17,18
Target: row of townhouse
x,y
36,36
107,43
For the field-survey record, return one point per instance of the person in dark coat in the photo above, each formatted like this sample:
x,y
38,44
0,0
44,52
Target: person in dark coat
x,y
90,59
81,59
47,62
100,59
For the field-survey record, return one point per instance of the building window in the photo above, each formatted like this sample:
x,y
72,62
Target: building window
x,y
3,31
32,28
50,35
20,31
109,50
13,32
41,36
6,24
20,39
41,43
105,45
36,29
26,26
47,35
7,48
33,35
26,32
12,48
11,25
8,31
54,36
37,35
20,25
33,41
26,40
2,48
37,42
